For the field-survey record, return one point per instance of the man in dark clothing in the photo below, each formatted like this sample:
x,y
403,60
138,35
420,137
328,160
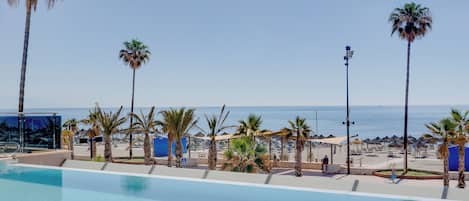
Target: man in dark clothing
x,y
325,162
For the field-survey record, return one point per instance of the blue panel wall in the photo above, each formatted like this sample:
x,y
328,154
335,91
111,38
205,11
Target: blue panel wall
x,y
161,146
454,158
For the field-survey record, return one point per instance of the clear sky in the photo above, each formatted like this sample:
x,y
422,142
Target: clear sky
x,y
244,52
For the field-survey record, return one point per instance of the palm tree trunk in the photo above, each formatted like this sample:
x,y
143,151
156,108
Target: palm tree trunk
x,y
25,56
445,172
461,179
170,150
72,156
212,154
147,149
132,111
298,171
178,153
93,152
107,148
406,107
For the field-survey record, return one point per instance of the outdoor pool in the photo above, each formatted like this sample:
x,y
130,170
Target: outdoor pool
x,y
22,183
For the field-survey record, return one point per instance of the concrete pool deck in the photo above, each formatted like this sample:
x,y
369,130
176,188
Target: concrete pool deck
x,y
315,180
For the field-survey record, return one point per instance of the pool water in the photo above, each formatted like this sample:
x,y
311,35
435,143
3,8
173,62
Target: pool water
x,y
20,183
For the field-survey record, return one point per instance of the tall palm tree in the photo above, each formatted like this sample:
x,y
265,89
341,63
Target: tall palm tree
x,y
216,127
31,5
177,123
462,122
251,126
145,124
72,126
109,123
444,131
301,130
134,55
94,130
411,22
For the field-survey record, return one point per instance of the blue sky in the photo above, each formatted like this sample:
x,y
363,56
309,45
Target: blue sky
x,y
245,52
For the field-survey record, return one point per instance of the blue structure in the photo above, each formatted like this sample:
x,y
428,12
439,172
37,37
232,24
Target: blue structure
x,y
32,131
160,145
453,158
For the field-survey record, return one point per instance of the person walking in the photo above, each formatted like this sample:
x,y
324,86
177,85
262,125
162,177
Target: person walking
x,y
325,162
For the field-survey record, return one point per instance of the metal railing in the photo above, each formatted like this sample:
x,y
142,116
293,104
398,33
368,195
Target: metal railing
x,y
5,148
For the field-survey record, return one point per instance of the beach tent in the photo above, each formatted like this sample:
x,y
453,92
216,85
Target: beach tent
x,y
454,158
332,141
160,145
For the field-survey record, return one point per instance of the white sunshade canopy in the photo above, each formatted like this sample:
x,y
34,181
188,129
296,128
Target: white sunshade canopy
x,y
334,140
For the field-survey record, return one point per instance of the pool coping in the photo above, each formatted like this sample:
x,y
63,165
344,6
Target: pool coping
x,y
376,195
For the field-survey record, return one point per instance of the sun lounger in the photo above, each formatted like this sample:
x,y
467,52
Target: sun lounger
x,y
88,165
309,182
126,168
178,172
237,177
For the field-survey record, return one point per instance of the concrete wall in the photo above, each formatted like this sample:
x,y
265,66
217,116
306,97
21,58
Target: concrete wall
x,y
50,158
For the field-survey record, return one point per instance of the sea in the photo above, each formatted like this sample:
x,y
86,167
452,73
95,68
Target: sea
x,y
369,121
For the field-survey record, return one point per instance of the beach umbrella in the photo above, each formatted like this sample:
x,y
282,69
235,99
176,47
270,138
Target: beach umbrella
x,y
356,141
331,136
395,144
315,136
321,136
199,134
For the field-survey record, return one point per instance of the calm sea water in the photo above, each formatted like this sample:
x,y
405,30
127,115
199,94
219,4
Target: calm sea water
x,y
370,121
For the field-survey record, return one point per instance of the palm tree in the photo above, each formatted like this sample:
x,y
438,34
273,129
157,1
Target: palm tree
x,y
245,155
301,130
134,55
94,130
145,124
251,126
72,126
444,131
462,122
109,123
177,123
216,127
411,22
31,5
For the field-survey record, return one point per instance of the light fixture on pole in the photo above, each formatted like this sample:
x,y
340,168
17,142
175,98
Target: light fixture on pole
x,y
347,57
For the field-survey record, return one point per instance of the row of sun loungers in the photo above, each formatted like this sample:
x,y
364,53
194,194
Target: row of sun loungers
x,y
345,183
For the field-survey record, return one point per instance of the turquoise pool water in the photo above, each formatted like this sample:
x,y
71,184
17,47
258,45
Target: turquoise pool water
x,y
39,184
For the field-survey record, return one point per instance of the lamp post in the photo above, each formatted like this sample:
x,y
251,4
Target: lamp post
x,y
348,55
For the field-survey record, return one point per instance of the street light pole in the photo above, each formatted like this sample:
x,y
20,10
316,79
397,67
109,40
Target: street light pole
x,y
348,55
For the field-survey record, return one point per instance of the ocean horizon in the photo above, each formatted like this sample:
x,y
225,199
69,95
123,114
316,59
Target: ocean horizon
x,y
370,121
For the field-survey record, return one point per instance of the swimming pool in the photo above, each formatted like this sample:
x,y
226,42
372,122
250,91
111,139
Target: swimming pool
x,y
23,183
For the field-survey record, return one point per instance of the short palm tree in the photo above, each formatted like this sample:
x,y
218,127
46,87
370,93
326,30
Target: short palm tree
x,y
216,127
251,126
444,131
300,129
177,123
134,55
462,122
411,22
31,5
109,123
72,126
94,130
145,124
245,155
